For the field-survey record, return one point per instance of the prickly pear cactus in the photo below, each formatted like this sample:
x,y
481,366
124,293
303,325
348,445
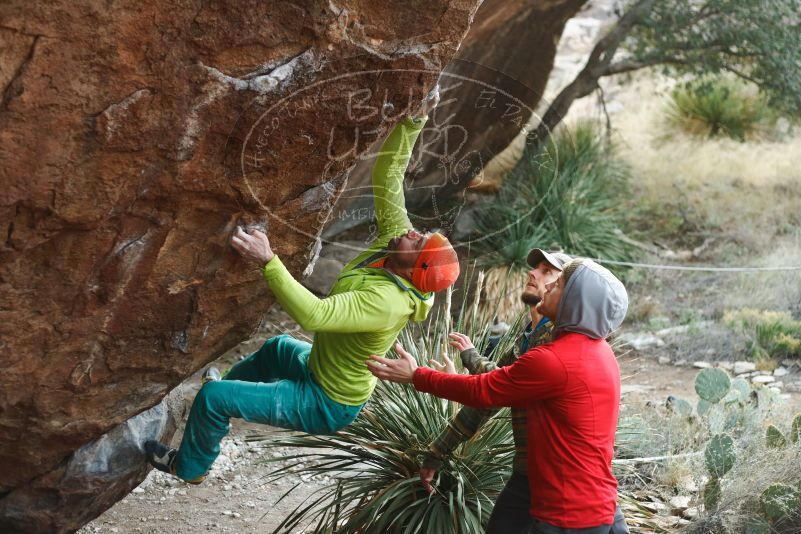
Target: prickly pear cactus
x,y
712,494
719,455
716,419
712,384
742,388
679,406
778,500
774,438
703,407
795,431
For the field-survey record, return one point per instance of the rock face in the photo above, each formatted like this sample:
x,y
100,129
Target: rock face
x,y
92,478
134,136
488,94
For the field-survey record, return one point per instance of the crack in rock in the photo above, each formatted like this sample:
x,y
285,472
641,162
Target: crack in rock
x,y
389,50
20,70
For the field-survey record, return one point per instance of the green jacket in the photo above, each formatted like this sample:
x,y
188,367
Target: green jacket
x,y
367,306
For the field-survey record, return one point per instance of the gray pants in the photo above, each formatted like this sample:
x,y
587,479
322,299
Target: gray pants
x,y
618,527
510,514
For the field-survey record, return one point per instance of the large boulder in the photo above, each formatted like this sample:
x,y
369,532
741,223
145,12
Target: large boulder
x,y
134,136
94,477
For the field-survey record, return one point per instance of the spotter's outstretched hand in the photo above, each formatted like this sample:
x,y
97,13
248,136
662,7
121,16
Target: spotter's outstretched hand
x,y
400,370
447,367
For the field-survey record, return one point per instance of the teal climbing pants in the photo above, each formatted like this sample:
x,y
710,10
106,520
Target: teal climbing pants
x,y
272,386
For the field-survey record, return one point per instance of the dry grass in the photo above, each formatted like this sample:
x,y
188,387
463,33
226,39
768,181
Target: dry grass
x,y
748,190
776,290
747,196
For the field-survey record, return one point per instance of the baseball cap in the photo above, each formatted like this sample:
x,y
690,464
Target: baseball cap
x,y
556,259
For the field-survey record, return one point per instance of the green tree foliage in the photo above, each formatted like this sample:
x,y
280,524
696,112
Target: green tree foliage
x,y
756,40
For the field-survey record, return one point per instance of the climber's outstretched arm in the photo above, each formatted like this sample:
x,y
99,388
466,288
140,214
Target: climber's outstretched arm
x,y
390,167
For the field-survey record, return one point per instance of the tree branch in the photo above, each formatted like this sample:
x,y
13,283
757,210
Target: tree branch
x,y
587,80
741,74
714,55
602,100
624,66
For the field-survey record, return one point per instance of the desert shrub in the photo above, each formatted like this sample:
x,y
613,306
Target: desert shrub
x,y
568,194
718,108
769,334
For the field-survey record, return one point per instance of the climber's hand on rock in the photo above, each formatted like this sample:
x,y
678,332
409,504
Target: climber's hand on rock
x,y
430,102
253,245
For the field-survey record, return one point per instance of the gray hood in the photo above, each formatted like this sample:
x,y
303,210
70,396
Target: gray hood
x,y
593,303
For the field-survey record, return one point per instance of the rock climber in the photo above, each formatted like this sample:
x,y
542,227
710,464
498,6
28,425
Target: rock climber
x,y
320,388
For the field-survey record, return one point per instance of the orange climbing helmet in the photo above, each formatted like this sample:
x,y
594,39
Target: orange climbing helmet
x,y
437,266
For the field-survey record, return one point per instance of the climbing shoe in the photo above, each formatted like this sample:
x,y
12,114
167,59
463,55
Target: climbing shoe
x,y
163,458
212,374
160,456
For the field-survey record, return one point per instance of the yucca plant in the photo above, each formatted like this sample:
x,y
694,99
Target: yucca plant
x,y
374,463
500,294
718,108
569,193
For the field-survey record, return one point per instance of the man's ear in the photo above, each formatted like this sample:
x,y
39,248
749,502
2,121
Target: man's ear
x,y
407,273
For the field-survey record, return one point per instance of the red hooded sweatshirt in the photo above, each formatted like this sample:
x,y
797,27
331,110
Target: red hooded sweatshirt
x,y
571,391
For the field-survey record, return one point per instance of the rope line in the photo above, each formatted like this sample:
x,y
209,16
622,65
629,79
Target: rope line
x,y
699,268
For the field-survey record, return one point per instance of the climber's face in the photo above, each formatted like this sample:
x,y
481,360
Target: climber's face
x,y
404,249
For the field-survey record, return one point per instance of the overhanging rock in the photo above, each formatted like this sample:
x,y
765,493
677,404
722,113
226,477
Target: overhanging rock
x,y
134,137
93,477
